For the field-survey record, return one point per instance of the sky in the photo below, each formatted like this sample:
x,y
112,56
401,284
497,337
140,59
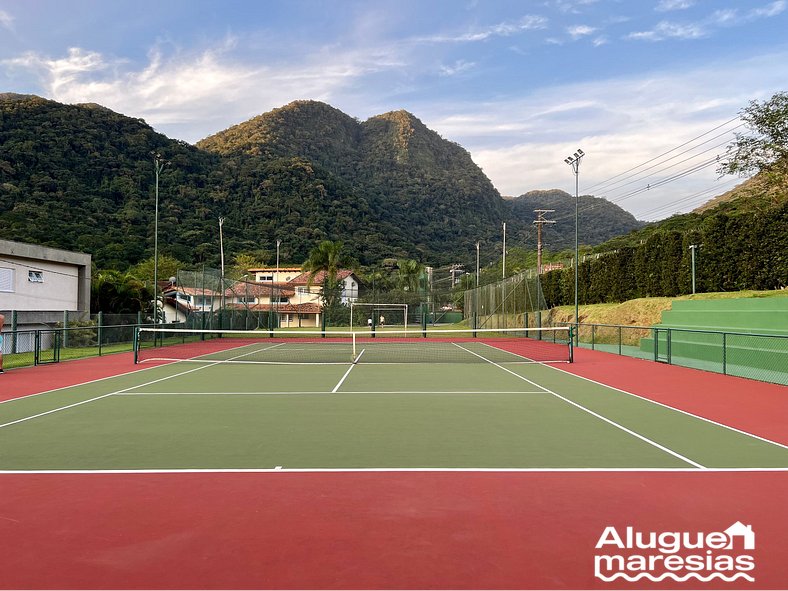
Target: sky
x,y
650,90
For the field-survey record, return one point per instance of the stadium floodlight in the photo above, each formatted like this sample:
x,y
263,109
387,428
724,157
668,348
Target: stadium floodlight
x,y
158,164
574,162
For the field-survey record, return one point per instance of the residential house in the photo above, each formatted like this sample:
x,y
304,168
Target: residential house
x,y
293,296
179,302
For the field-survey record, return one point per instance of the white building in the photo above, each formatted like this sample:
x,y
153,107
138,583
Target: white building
x,y
41,283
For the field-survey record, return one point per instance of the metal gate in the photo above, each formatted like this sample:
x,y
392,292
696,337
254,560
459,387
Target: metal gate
x,y
48,344
662,345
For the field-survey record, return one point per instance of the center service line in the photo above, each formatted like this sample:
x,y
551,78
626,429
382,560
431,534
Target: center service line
x,y
347,373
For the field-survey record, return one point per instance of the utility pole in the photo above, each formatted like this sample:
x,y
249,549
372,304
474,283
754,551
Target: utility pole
x,y
539,222
221,281
692,248
503,273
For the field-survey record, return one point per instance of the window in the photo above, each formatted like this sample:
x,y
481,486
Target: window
x,y
6,279
35,276
265,277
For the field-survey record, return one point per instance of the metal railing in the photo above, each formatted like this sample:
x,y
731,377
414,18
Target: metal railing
x,y
756,356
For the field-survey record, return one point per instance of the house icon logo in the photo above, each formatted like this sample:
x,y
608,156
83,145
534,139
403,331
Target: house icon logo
x,y
633,555
739,530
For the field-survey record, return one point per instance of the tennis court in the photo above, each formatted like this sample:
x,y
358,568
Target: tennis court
x,y
352,463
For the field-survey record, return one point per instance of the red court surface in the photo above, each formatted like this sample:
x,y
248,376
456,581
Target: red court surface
x,y
367,530
756,407
389,530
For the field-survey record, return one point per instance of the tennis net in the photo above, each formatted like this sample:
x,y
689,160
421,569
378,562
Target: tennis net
x,y
503,346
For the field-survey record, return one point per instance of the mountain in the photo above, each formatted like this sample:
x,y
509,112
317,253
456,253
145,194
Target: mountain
x,y
599,219
431,197
81,177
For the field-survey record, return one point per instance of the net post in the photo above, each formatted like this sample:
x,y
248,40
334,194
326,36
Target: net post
x,y
424,320
353,336
136,344
571,346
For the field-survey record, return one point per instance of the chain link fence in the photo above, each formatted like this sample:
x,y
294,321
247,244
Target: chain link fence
x,y
762,357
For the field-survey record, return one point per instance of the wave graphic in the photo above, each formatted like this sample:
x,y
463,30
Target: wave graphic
x,y
675,577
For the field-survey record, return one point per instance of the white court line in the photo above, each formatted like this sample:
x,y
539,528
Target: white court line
x,y
119,375
347,373
278,470
684,412
302,392
597,415
54,410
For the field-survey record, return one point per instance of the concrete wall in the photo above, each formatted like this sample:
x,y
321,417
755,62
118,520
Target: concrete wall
x,y
39,278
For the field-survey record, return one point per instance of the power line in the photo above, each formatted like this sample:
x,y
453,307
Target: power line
x,y
595,186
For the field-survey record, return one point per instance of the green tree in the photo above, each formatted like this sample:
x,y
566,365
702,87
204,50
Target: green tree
x,y
118,293
409,273
765,148
168,267
324,262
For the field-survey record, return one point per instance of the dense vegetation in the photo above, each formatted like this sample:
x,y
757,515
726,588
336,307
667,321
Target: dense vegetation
x,y
81,177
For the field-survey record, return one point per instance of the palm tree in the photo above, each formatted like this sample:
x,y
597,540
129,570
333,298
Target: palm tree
x,y
117,292
326,257
409,274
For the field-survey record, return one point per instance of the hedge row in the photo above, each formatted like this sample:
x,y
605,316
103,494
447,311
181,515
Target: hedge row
x,y
736,252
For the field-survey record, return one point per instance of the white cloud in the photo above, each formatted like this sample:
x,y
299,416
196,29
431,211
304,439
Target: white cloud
x,y
725,17
457,67
669,30
670,5
6,20
504,29
770,10
192,95
572,6
601,40
620,123
578,31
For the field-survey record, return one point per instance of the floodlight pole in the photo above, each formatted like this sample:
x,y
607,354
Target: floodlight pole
x,y
279,293
692,248
221,281
574,162
476,293
158,165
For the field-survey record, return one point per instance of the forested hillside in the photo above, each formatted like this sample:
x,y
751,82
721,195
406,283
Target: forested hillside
x,y
81,177
600,219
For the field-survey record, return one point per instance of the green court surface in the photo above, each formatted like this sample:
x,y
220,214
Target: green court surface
x,y
479,415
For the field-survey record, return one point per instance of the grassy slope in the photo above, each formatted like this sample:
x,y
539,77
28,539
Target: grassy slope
x,y
644,311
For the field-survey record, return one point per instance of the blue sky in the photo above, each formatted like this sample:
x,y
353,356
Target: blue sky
x,y
639,85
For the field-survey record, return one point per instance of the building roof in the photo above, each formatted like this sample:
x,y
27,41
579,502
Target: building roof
x,y
310,308
274,269
191,291
259,289
304,278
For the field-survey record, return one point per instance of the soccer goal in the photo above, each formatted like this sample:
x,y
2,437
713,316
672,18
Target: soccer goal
x,y
381,315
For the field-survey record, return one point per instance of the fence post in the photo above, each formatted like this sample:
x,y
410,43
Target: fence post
x,y
724,353
65,328
14,321
100,321
620,338
571,345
